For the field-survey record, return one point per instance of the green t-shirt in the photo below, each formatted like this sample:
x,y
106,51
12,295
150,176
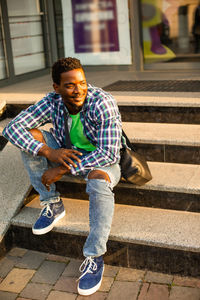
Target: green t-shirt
x,y
77,136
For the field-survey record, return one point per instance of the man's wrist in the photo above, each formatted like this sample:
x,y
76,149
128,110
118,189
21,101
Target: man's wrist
x,y
44,151
63,170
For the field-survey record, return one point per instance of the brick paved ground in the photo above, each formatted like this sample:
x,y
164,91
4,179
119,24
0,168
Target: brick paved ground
x,y
26,274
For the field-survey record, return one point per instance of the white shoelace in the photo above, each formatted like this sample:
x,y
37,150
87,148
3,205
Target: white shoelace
x,y
47,212
88,266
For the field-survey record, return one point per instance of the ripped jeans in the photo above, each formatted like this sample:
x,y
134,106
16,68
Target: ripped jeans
x,y
101,197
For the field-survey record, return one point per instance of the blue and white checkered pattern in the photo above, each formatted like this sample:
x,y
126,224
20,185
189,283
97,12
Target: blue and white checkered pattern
x,y
101,124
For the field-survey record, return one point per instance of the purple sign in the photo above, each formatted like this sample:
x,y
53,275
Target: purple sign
x,y
95,26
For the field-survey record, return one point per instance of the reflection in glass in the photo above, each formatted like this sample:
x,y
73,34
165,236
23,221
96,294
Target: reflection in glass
x,y
26,35
170,30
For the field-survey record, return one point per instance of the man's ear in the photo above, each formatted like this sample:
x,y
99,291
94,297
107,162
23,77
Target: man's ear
x,y
56,87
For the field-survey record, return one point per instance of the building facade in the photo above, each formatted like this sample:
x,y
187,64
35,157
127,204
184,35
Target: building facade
x,y
136,35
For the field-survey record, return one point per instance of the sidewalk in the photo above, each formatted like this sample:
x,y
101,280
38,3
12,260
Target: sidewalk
x,y
26,274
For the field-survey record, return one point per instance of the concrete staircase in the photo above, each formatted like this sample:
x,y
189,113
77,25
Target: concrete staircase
x,y
155,226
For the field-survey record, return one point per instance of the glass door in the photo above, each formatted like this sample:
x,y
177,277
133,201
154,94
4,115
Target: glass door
x,y
171,34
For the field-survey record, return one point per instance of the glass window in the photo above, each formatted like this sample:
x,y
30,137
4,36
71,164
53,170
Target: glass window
x,y
26,35
171,31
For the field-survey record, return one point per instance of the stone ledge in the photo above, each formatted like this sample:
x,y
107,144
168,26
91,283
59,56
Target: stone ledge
x,y
142,226
169,177
14,185
165,134
2,107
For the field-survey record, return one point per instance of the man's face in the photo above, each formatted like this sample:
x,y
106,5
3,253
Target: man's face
x,y
73,89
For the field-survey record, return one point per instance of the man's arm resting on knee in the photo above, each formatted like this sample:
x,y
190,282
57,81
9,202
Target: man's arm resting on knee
x,y
61,156
53,175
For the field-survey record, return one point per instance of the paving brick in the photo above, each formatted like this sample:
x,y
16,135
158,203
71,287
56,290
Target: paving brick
x,y
16,280
17,252
184,293
187,281
106,284
36,291
7,296
61,296
158,277
96,296
57,258
157,292
127,274
66,284
31,260
124,290
72,269
49,272
6,265
144,291
110,271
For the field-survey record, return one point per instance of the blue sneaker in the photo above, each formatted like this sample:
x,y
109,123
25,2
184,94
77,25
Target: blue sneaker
x,y
90,280
50,214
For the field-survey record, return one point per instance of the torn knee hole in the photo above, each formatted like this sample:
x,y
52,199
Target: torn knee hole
x,y
97,174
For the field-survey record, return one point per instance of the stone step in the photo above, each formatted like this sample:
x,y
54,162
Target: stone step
x,y
14,186
157,99
165,134
160,240
177,143
123,98
165,142
181,108
2,107
153,133
174,186
171,108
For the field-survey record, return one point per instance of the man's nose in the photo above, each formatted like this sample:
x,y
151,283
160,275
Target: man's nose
x,y
77,88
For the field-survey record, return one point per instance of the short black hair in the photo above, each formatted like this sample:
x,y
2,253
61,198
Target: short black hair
x,y
64,65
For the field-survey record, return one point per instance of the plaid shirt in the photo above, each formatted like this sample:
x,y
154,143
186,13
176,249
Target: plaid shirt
x,y
101,124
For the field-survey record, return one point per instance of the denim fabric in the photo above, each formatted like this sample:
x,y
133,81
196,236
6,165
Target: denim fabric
x,y
100,193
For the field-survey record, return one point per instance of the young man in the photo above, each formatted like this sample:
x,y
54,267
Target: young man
x,y
94,124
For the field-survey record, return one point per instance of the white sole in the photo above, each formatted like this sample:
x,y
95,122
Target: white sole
x,y
50,227
92,290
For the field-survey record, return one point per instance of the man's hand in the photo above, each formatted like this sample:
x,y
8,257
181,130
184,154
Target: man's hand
x,y
60,156
53,175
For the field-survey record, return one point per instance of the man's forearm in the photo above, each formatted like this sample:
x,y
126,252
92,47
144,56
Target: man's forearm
x,y
62,170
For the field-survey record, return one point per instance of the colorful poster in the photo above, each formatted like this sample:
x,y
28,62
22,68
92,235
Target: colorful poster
x,y
97,31
95,26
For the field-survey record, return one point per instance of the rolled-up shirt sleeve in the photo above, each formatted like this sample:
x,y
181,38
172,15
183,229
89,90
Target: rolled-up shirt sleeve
x,y
17,131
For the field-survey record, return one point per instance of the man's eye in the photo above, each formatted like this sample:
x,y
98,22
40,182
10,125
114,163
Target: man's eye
x,y
70,86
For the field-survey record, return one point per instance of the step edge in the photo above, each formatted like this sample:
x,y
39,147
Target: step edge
x,y
116,238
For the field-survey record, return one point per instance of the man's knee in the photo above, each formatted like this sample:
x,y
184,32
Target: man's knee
x,y
37,135
98,174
